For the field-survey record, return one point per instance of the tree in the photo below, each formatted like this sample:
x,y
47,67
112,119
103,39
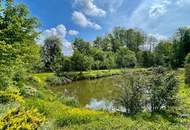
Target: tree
x,y
181,46
125,58
52,53
187,69
81,46
16,24
109,61
98,56
162,53
17,47
81,62
146,58
67,64
134,39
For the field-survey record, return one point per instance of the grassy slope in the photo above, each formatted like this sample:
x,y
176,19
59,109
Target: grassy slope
x,y
62,116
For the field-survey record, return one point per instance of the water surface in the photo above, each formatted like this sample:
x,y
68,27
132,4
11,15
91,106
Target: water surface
x,y
98,93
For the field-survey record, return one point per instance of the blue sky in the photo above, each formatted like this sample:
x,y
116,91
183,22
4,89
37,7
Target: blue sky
x,y
91,18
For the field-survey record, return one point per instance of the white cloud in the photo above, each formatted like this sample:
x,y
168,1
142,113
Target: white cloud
x,y
164,20
73,32
80,19
159,8
158,36
90,9
61,32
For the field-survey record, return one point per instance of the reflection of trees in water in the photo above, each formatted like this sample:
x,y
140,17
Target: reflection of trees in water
x,y
85,90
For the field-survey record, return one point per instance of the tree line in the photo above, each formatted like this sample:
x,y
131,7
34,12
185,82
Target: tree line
x,y
122,48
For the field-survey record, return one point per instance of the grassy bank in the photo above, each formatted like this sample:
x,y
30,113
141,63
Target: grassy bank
x,y
84,75
60,115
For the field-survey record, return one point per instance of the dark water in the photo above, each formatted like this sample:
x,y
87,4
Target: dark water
x,y
98,93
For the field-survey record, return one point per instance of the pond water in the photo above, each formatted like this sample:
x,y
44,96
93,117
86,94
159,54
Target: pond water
x,y
95,94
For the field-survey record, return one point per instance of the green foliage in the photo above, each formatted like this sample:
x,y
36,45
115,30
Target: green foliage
x,y
146,59
81,46
21,118
163,90
28,91
69,101
157,90
16,24
81,62
109,61
57,80
187,73
181,46
163,53
77,116
67,64
11,94
187,59
52,53
133,93
125,58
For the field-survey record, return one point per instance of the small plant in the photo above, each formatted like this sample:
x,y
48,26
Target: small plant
x,y
69,101
11,94
21,119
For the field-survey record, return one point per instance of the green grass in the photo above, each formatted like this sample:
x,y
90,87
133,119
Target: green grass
x,y
92,74
61,116
42,76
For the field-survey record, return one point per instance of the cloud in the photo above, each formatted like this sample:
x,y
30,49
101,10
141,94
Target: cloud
x,y
90,9
160,16
158,36
61,32
159,8
73,32
80,19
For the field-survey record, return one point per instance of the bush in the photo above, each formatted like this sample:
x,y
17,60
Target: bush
x,y
11,94
67,66
55,80
154,92
29,91
187,73
163,90
21,119
133,94
69,101
187,59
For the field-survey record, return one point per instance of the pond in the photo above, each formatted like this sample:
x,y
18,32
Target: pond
x,y
95,94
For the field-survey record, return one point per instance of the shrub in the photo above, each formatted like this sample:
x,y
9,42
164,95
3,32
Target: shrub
x,y
133,94
29,91
162,90
11,94
55,80
21,119
187,59
187,73
154,92
69,101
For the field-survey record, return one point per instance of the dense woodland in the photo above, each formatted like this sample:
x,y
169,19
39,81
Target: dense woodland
x,y
26,103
